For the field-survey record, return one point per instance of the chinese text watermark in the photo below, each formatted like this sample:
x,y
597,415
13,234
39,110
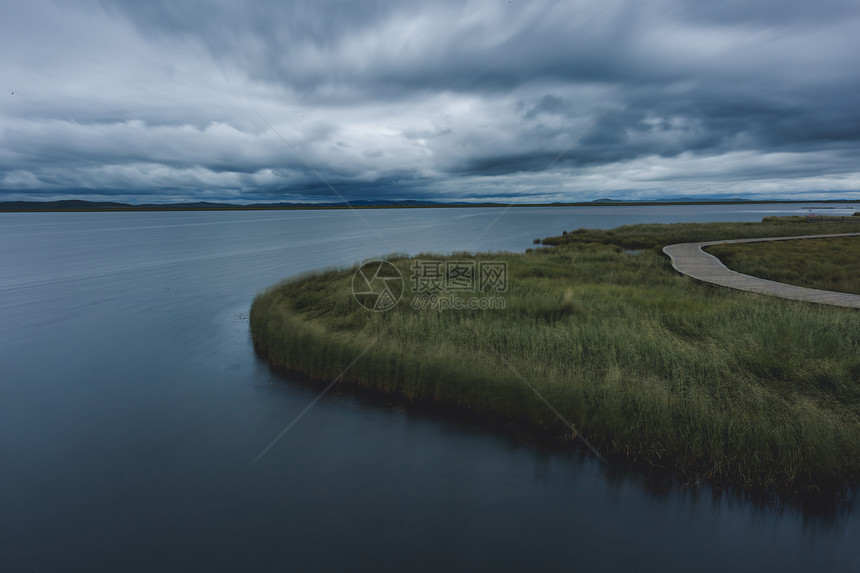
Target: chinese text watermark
x,y
438,285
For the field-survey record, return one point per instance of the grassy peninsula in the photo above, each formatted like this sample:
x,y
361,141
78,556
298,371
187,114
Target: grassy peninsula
x,y
715,384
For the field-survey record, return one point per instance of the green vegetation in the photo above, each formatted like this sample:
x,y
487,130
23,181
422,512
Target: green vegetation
x,y
657,236
828,264
718,385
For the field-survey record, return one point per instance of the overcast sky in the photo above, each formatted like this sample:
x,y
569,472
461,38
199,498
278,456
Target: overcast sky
x,y
515,101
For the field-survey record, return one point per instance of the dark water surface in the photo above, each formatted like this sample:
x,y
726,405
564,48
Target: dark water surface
x,y
132,406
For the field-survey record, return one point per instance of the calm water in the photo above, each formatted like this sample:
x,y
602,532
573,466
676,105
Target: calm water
x,y
132,406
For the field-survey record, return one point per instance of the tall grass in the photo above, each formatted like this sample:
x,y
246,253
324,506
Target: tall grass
x,y
657,236
720,385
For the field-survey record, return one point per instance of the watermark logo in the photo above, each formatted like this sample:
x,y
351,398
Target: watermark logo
x,y
436,285
444,285
451,301
459,276
377,285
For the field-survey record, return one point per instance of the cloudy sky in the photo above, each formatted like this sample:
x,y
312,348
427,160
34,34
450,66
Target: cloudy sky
x,y
518,101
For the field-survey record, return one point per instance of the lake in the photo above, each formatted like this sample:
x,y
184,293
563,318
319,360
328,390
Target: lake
x,y
132,407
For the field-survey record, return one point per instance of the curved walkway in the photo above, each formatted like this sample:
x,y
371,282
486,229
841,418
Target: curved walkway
x,y
689,259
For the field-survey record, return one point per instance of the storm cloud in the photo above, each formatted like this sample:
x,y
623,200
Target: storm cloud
x,y
513,101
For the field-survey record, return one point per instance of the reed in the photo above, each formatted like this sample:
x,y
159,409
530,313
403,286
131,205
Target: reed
x,y
657,236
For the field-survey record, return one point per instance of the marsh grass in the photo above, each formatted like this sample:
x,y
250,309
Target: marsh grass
x,y
657,236
719,385
828,264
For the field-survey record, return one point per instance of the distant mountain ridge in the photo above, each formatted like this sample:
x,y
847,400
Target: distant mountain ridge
x,y
81,205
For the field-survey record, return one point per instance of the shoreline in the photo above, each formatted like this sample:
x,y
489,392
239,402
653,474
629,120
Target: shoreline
x,y
520,432
310,207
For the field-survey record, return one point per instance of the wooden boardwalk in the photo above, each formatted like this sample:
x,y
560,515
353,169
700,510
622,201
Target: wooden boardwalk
x,y
689,259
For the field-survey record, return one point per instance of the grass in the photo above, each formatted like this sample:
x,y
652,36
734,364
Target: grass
x,y
717,385
828,264
657,236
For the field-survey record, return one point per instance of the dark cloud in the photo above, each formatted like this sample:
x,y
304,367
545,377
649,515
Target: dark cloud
x,y
531,100
548,108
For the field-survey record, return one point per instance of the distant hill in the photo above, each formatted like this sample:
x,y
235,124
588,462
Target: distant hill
x,y
79,205
708,199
